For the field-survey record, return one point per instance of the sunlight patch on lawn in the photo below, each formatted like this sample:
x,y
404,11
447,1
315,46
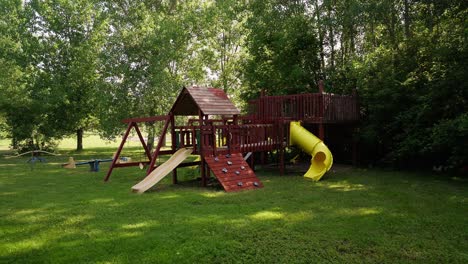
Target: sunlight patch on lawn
x,y
72,220
132,234
291,217
8,193
108,202
359,211
101,200
267,215
213,194
299,216
27,212
136,226
346,187
9,165
24,245
169,196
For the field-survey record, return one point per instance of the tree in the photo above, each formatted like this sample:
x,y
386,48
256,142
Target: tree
x,y
220,42
283,49
17,76
146,60
71,34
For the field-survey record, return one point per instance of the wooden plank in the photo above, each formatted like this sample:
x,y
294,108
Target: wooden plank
x,y
119,150
146,119
130,164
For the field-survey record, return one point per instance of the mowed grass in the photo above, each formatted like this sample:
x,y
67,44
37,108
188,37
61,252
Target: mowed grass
x,y
53,215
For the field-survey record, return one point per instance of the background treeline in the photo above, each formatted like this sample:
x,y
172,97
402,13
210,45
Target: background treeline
x,y
71,66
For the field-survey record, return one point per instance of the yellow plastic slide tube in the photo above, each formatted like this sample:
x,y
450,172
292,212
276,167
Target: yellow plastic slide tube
x,y
322,158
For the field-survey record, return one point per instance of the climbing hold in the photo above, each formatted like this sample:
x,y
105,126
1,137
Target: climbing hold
x,y
242,168
237,172
256,184
240,184
229,162
216,159
224,170
228,155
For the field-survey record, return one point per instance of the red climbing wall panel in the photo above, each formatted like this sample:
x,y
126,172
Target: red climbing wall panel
x,y
233,172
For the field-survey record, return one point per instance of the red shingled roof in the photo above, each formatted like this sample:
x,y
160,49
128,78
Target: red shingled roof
x,y
211,101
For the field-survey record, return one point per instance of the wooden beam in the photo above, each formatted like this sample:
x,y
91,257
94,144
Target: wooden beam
x,y
145,119
130,164
158,147
173,144
142,140
119,150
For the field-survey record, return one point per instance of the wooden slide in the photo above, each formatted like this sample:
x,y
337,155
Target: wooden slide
x,y
164,169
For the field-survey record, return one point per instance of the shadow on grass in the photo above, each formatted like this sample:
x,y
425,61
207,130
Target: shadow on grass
x,y
56,215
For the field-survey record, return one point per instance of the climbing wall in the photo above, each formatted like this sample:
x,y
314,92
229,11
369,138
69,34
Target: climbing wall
x,y
233,172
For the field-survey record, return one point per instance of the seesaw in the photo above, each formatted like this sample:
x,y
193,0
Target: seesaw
x,y
93,164
35,156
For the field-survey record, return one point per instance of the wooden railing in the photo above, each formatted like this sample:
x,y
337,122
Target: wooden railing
x,y
326,108
221,139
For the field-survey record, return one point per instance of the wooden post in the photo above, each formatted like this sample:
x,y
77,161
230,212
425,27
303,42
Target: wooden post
x,y
119,150
202,154
282,138
252,161
355,146
202,171
173,144
158,147
321,133
263,158
208,173
142,140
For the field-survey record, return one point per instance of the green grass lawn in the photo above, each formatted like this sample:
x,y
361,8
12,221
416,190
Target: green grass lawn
x,y
53,215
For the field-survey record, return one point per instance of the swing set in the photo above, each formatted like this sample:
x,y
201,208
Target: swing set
x,y
132,124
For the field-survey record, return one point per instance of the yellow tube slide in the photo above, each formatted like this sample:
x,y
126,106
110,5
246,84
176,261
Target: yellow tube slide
x,y
322,158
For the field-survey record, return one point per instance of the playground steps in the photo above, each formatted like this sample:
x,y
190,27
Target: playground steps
x,y
233,172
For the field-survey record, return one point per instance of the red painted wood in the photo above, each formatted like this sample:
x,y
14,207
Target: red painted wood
x,y
158,147
119,150
130,164
230,180
145,119
316,108
142,140
210,101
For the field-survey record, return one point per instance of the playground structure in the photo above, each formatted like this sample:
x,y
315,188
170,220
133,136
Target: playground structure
x,y
226,141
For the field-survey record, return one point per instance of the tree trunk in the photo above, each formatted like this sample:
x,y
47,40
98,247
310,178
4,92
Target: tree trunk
x,y
14,143
79,139
331,37
407,19
151,134
320,35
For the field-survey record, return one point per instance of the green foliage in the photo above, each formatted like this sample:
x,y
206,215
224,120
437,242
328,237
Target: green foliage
x,y
448,141
145,60
68,65
411,81
71,34
282,49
